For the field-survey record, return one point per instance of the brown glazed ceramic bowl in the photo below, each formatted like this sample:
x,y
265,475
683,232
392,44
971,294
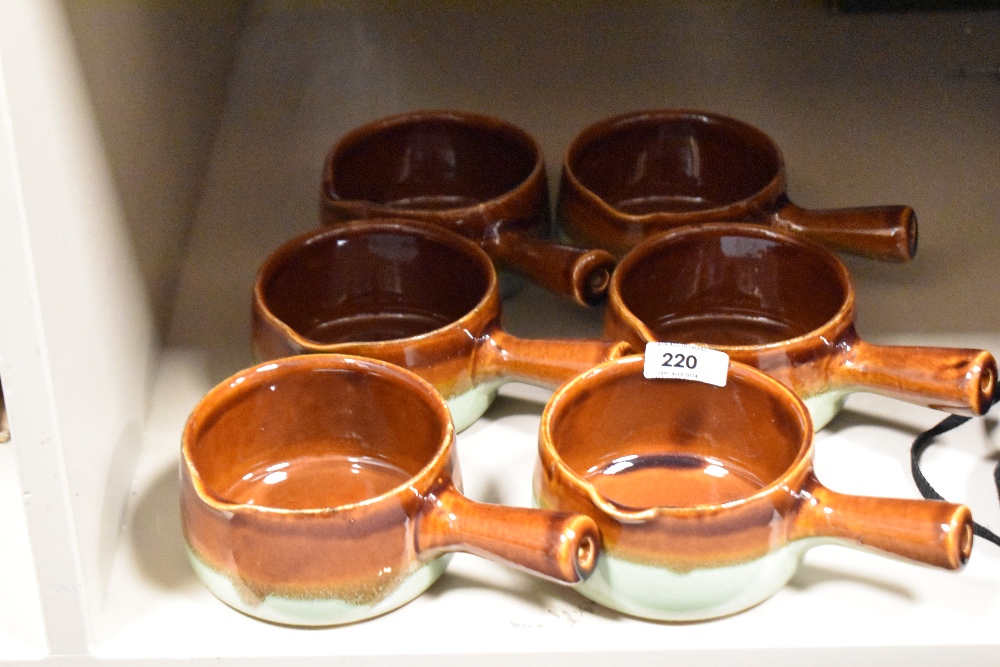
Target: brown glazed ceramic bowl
x,y
415,295
705,496
473,174
631,176
783,304
325,489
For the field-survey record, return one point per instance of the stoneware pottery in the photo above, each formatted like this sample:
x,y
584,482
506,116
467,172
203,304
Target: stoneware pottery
x,y
325,489
705,496
413,294
785,305
627,177
473,174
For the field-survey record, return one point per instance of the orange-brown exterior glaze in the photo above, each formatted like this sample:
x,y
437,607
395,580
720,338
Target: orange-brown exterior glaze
x,y
785,305
631,176
473,174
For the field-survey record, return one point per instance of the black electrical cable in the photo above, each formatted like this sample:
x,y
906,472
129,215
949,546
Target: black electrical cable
x,y
922,442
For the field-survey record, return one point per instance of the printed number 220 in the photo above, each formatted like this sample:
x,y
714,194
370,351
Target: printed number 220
x,y
671,360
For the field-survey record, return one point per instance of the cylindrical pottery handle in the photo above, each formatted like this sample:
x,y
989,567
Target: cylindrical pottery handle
x,y
957,380
879,232
933,532
542,362
560,546
579,273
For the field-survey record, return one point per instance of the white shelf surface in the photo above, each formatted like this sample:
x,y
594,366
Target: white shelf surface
x,y
842,604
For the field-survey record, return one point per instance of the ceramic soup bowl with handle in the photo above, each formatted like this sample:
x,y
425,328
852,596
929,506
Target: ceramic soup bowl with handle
x,y
786,305
413,294
705,496
631,176
473,174
325,489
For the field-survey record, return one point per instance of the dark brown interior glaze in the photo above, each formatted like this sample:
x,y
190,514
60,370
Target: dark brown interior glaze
x,y
675,163
726,289
374,285
675,443
433,162
314,438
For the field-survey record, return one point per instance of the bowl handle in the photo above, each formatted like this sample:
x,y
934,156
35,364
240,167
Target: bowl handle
x,y
544,362
933,532
957,380
559,546
581,274
878,232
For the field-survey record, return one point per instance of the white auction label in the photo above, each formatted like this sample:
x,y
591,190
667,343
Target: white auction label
x,y
686,362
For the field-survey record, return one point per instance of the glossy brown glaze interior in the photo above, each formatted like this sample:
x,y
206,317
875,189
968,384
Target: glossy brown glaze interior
x,y
375,282
646,443
313,438
673,162
676,473
723,288
432,161
294,473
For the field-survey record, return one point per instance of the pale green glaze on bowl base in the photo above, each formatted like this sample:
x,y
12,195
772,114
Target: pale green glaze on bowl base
x,y
470,406
824,407
317,612
658,593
